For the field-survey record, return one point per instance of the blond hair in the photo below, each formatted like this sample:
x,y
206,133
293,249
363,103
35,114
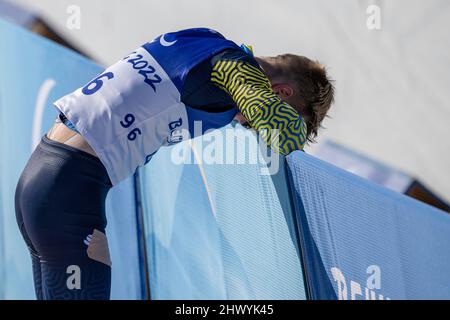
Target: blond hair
x,y
313,90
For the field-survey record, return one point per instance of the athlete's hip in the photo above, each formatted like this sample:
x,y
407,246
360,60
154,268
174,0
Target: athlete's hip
x,y
61,194
66,173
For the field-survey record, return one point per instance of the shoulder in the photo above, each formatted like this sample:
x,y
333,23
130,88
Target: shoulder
x,y
235,55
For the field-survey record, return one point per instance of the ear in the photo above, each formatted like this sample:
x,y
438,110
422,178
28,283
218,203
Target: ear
x,y
283,90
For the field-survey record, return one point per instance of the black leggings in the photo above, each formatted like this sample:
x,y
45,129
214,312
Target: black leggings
x,y
60,210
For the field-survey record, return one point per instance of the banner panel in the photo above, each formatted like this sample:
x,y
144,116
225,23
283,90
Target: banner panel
x,y
363,241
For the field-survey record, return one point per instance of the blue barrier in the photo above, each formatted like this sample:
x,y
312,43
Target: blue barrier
x,y
218,231
362,241
363,166
34,73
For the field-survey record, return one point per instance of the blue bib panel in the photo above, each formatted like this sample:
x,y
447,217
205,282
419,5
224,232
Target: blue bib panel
x,y
178,53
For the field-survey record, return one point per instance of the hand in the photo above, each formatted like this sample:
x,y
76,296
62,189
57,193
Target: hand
x,y
242,120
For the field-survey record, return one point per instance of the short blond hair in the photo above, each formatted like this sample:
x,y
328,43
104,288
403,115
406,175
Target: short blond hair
x,y
313,89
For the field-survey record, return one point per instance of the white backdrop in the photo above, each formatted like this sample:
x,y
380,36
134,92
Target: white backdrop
x,y
392,83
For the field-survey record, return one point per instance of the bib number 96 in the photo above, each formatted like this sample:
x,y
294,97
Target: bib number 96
x,y
126,123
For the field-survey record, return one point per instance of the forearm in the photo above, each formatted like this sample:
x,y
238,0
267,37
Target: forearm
x,y
278,123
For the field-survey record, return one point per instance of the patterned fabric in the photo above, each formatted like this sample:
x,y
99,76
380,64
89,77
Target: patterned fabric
x,y
198,90
265,111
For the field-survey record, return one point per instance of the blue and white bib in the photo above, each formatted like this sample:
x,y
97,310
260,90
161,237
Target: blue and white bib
x,y
131,109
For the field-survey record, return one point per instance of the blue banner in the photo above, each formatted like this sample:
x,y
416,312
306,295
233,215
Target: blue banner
x,y
216,230
363,166
362,241
34,73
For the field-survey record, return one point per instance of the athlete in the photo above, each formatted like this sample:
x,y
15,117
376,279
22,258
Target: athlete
x,y
116,122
